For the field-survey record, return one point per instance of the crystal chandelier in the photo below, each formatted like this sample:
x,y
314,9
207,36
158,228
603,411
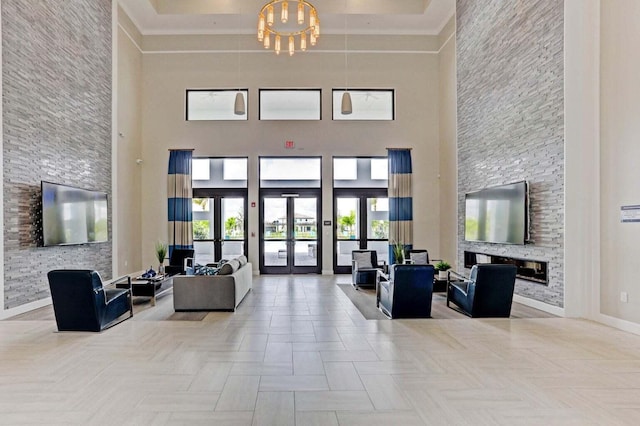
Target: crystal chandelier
x,y
308,25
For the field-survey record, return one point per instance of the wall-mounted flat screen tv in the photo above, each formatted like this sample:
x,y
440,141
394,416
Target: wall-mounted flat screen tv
x,y
498,214
73,215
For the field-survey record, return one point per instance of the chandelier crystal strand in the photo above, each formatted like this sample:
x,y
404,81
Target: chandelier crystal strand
x,y
309,31
261,26
300,12
277,44
267,41
312,19
270,15
303,42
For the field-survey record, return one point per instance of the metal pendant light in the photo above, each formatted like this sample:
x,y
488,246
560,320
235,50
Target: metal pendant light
x,y
239,106
346,108
346,103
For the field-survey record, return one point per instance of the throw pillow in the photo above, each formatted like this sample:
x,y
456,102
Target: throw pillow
x,y
419,258
229,268
205,270
243,260
363,259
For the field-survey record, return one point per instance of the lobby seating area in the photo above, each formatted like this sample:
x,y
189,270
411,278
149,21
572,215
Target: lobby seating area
x,y
405,290
499,135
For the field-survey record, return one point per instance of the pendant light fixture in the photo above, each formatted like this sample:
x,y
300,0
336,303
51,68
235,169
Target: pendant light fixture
x,y
306,18
346,107
239,107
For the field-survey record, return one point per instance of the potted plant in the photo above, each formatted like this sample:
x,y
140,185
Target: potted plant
x,y
161,254
442,267
398,252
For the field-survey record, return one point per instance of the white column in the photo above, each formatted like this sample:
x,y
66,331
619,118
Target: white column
x,y
582,157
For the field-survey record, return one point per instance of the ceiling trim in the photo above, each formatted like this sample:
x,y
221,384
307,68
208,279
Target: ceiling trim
x,y
363,23
313,52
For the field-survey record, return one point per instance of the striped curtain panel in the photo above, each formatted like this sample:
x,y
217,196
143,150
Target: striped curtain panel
x,y
180,194
400,200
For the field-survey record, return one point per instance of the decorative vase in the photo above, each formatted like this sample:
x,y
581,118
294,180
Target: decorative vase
x,y
161,269
442,275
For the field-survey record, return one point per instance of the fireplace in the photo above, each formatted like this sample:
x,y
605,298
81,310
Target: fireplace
x,y
529,270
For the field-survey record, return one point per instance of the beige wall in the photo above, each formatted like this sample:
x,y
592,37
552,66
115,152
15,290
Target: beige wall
x,y
448,147
127,190
414,76
620,156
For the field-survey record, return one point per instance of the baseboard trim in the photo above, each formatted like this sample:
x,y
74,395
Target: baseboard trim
x,y
618,323
27,307
536,304
327,272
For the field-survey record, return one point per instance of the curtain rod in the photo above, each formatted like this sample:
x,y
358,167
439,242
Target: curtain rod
x,y
181,149
398,149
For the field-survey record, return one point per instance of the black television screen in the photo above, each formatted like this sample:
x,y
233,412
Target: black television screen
x,y
497,215
73,215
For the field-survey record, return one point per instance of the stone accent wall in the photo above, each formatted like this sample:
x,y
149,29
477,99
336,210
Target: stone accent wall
x,y
56,75
511,121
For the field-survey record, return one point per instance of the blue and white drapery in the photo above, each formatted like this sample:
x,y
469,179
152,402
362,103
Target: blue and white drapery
x,y
179,195
400,200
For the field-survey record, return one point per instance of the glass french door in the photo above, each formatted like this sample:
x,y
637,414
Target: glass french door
x,y
361,219
219,227
289,239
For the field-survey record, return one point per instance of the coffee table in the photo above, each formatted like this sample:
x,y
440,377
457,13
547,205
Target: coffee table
x,y
148,287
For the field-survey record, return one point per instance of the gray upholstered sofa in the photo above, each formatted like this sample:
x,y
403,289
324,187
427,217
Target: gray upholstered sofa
x,y
212,292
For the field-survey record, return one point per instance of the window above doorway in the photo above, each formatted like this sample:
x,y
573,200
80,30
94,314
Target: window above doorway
x,y
367,104
214,104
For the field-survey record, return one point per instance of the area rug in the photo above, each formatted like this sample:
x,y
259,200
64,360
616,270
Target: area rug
x,y
187,316
365,300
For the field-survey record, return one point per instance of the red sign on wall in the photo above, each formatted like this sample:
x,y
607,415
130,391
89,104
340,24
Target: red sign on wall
x,y
289,144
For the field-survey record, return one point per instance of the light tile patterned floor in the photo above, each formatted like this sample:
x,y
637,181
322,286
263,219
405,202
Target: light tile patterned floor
x,y
298,352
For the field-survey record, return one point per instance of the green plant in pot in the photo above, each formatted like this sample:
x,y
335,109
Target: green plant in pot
x,y
161,254
398,252
442,267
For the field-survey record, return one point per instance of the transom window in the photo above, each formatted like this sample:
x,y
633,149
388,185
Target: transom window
x,y
290,104
360,172
219,172
367,104
290,172
214,104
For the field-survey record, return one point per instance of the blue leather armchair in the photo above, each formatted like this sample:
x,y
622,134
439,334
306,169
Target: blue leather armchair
x,y
81,303
364,268
407,293
176,261
487,293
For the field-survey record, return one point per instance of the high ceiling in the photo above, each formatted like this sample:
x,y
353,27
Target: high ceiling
x,y
426,17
